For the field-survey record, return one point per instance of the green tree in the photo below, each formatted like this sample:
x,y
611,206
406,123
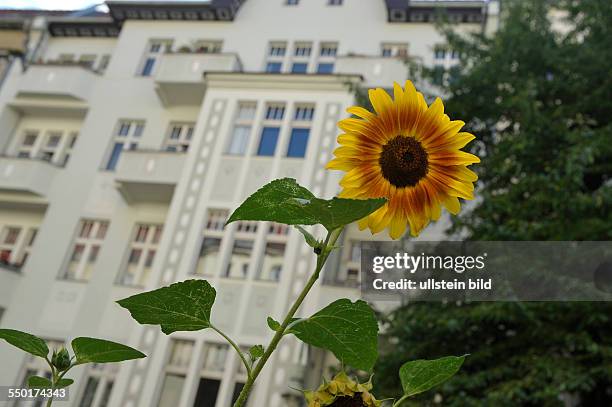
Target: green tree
x,y
539,101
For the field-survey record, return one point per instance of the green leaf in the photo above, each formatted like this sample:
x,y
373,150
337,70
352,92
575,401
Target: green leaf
x,y
93,350
183,306
273,324
284,201
256,352
349,330
310,239
37,382
421,375
25,341
64,382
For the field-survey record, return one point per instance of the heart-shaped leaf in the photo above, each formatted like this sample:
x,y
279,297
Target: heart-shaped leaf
x,y
25,341
183,306
348,329
92,350
421,375
285,201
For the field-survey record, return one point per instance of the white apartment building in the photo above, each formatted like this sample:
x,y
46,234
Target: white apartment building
x,y
128,138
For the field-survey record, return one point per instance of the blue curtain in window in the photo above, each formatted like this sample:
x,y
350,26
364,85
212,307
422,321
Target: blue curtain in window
x,y
267,143
273,67
298,143
325,68
299,68
148,67
114,157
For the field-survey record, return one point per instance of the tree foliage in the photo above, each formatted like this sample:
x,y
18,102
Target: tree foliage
x,y
539,101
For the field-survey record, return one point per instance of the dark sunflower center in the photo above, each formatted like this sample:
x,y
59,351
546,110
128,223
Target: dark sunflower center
x,y
348,401
403,161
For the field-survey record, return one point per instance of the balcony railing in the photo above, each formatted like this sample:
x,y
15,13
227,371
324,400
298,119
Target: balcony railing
x,y
149,175
376,71
71,81
179,76
25,179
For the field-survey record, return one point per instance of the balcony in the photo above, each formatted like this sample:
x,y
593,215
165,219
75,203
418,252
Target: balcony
x,y
54,89
57,80
179,77
148,175
376,71
25,181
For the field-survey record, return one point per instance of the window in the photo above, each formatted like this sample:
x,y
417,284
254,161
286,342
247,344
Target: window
x,y
242,248
28,143
439,53
276,56
325,68
216,219
141,253
211,374
334,2
155,48
69,146
328,49
98,385
267,143
292,2
239,139
272,263
85,249
208,46
301,57
299,67
302,49
181,352
103,64
275,112
126,138
455,54
274,67
298,143
209,260
238,266
87,60
54,146
271,130
278,49
179,136
65,58
50,146
15,245
394,50
303,113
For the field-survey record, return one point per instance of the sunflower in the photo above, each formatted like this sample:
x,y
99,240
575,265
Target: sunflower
x,y
407,152
342,391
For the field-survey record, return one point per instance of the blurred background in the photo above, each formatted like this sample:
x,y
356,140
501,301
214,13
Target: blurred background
x,y
131,129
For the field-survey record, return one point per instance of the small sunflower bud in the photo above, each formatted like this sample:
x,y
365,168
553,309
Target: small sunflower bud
x,y
342,391
61,359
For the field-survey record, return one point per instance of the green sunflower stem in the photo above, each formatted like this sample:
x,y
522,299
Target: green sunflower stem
x,y
400,401
329,243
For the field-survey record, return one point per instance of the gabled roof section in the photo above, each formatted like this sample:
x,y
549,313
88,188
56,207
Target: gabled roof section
x,y
424,11
212,10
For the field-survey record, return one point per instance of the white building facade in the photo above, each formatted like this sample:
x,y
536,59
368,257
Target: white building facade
x,y
128,139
